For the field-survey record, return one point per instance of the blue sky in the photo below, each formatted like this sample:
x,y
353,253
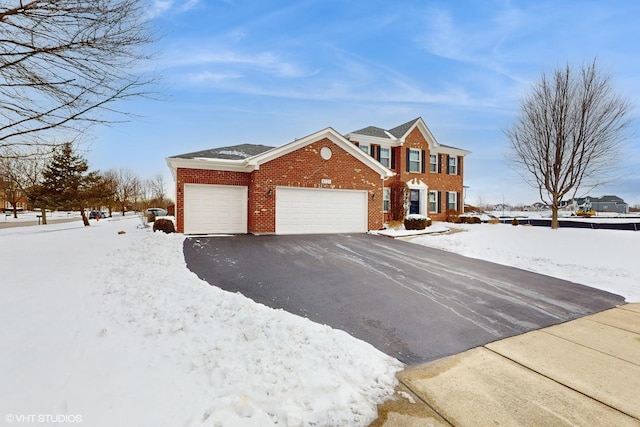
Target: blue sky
x,y
268,72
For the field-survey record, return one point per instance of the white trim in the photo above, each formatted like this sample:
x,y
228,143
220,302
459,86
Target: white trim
x,y
367,139
419,151
253,163
455,200
418,184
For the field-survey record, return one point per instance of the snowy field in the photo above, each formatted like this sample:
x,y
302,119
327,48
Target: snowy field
x,y
112,329
603,259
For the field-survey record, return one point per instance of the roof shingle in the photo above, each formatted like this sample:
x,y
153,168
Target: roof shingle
x,y
234,152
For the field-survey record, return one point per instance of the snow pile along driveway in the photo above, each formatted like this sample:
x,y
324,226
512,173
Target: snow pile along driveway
x,y
115,329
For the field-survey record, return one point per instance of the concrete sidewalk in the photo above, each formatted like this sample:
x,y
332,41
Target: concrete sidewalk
x,y
585,372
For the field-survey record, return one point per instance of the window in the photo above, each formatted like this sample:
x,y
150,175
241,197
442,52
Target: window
x,y
384,157
433,201
386,199
364,147
452,167
433,163
452,200
414,160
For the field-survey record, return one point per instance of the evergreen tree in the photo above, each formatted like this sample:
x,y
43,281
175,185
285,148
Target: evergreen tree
x,y
67,184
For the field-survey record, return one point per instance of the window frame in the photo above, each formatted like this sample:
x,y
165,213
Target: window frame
x,y
433,204
363,146
417,163
386,199
433,165
455,200
452,166
387,158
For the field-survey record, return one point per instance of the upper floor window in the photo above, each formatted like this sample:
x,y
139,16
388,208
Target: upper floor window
x,y
386,199
433,163
414,160
453,165
364,147
385,157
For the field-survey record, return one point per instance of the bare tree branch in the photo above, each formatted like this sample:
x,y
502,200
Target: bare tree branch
x,y
569,134
63,63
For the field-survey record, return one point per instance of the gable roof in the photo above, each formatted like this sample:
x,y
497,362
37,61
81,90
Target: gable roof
x,y
403,129
204,159
234,152
398,134
372,131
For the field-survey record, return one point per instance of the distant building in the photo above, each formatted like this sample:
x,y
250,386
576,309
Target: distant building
x,y
601,204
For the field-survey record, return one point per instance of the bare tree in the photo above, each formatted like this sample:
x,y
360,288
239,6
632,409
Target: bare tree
x,y
158,192
569,133
125,188
64,63
22,172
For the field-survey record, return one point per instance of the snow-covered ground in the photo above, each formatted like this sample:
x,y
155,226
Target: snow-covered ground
x,y
112,329
603,259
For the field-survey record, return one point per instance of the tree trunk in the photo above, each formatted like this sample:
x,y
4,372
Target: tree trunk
x,y
43,212
85,220
554,212
15,210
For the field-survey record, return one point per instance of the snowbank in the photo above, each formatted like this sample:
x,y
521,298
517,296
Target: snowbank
x,y
114,328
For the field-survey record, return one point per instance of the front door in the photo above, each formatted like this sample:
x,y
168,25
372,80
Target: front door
x,y
414,198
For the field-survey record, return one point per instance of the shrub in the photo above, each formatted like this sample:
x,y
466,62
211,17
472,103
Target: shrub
x,y
471,219
515,221
453,216
494,221
587,214
165,225
416,222
151,217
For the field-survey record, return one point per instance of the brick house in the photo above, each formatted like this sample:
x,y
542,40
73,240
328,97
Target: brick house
x,y
322,183
433,171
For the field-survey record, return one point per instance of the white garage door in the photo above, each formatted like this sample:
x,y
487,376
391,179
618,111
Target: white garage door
x,y
215,209
314,210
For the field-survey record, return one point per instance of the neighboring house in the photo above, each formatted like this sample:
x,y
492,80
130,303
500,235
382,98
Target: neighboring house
x,y
433,171
601,204
10,194
322,183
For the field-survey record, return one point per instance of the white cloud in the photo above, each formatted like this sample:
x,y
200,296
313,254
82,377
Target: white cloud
x,y
161,7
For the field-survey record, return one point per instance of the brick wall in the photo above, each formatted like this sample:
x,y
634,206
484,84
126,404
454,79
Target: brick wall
x,y
306,168
443,183
436,181
301,168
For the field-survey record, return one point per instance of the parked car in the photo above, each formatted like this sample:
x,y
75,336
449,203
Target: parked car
x,y
156,211
97,214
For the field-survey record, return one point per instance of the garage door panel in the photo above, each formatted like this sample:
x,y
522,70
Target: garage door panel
x,y
309,210
215,209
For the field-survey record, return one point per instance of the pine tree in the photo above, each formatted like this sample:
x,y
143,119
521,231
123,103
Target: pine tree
x,y
66,183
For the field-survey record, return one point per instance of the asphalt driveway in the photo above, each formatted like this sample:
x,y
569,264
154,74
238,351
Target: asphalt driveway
x,y
412,302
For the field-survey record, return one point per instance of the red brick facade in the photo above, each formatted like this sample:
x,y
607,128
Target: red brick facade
x,y
303,167
439,181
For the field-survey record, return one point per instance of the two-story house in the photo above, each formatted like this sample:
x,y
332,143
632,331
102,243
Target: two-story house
x,y
322,183
432,171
